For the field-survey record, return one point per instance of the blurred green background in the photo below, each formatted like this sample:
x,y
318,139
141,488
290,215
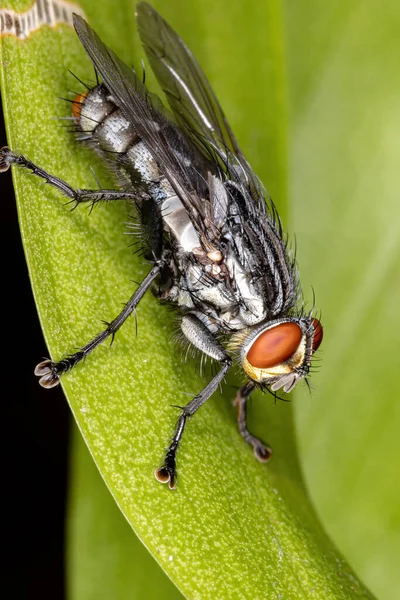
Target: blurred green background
x,y
344,139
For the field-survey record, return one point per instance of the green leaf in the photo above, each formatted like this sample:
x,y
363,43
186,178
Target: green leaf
x,y
104,558
233,528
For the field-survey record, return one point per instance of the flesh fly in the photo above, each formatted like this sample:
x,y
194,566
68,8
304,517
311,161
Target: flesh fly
x,y
209,229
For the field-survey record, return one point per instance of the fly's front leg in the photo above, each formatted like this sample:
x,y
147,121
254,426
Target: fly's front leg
x,y
50,372
200,336
167,472
261,451
77,196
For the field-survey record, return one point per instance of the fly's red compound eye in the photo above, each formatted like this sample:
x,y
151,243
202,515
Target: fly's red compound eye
x,y
318,334
275,346
77,104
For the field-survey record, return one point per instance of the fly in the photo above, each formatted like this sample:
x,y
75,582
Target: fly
x,y
211,233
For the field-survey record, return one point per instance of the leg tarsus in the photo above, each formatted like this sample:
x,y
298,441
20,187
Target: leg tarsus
x,y
167,472
50,372
6,159
262,452
49,375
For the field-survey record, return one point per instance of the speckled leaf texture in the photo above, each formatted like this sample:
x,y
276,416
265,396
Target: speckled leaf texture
x,y
233,528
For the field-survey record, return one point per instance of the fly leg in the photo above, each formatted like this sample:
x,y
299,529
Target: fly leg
x,y
261,451
50,372
76,196
197,332
167,472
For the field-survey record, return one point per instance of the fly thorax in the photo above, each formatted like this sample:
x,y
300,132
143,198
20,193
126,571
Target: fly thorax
x,y
143,162
178,223
219,201
253,309
213,294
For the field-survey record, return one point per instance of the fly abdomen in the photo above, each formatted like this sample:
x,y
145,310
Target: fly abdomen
x,y
115,134
105,127
102,124
91,108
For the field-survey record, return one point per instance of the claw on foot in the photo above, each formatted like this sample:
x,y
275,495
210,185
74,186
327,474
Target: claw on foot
x,y
5,159
261,452
49,375
166,474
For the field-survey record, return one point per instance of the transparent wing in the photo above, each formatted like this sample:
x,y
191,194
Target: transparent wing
x,y
189,94
147,115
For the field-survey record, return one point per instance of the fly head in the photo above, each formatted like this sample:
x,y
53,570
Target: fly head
x,y
278,354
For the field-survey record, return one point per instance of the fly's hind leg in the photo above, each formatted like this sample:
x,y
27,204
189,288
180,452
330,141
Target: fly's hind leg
x,y
196,331
261,451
